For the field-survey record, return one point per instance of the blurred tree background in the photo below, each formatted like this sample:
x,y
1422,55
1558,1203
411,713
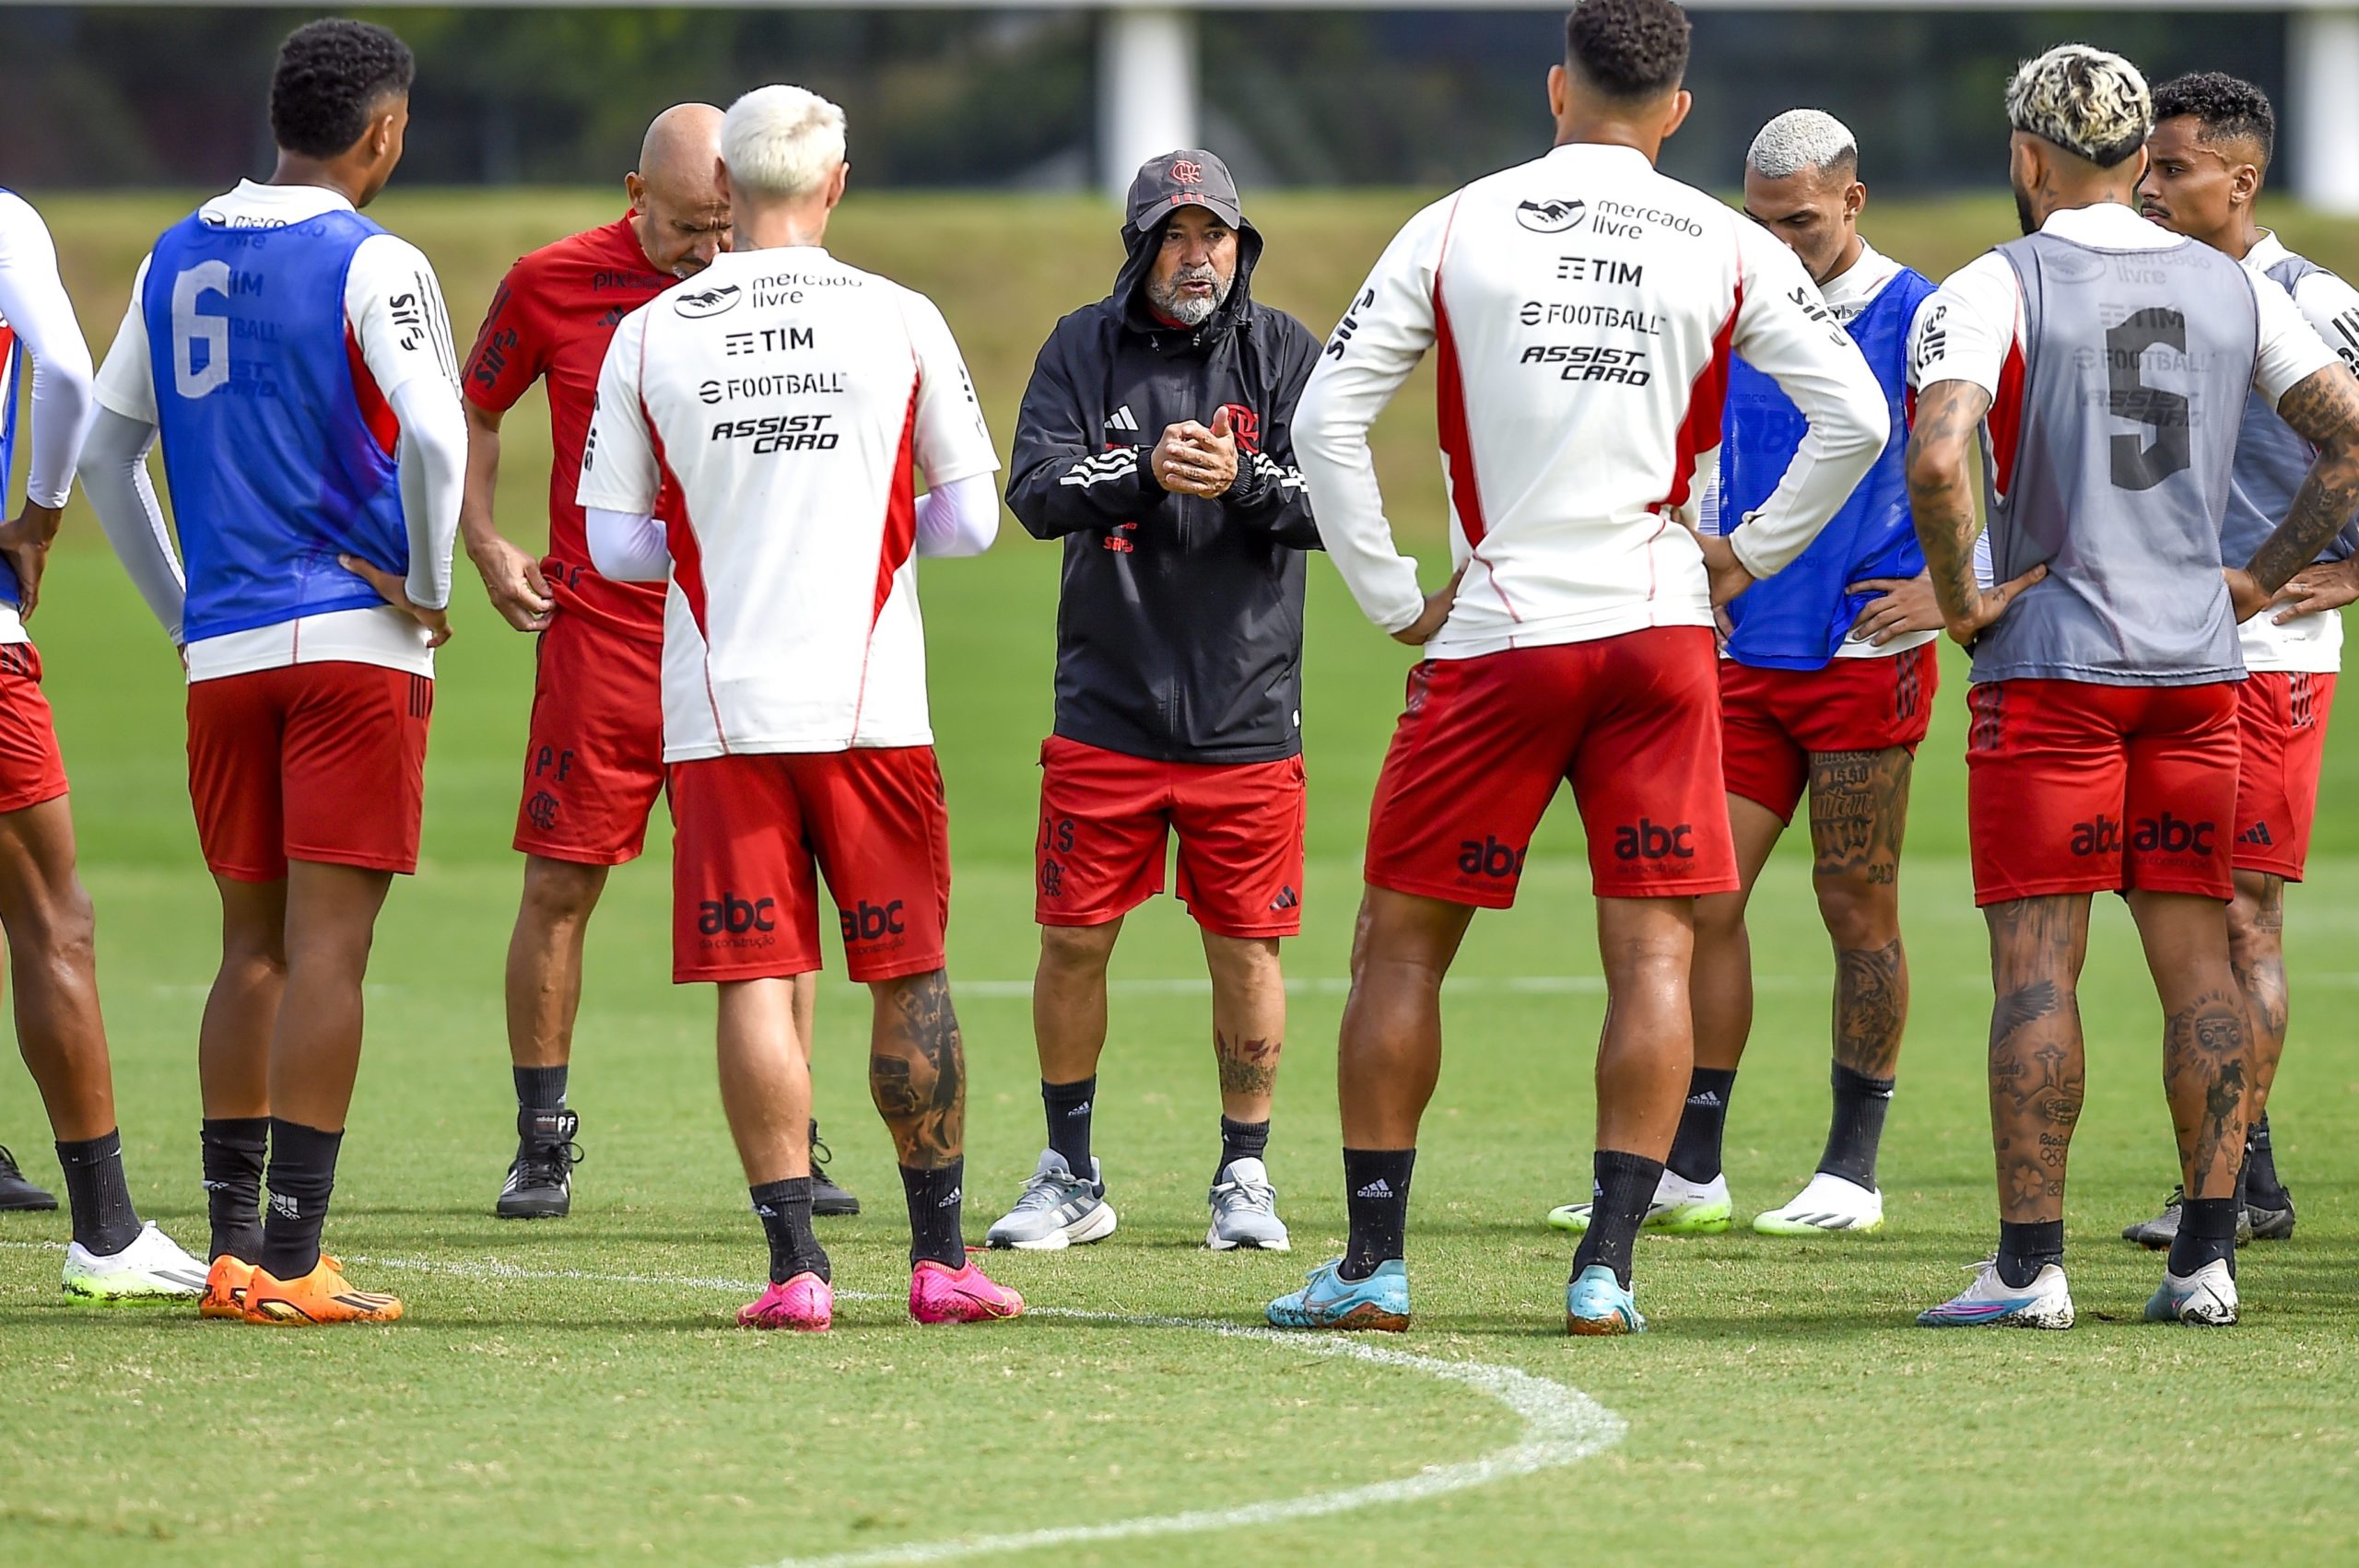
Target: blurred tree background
x,y
174,96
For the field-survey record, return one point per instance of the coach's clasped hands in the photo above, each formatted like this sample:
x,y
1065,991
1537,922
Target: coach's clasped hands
x,y
1197,460
395,591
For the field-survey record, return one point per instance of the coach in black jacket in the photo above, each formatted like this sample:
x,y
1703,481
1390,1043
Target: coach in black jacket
x,y
1155,441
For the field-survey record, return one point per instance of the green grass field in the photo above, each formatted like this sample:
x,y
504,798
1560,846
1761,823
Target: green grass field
x,y
574,1390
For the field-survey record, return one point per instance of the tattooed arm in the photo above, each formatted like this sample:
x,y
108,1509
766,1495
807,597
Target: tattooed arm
x,y
1940,496
2324,408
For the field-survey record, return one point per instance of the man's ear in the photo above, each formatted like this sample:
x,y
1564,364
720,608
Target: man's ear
x,y
1855,201
1681,102
1560,86
381,135
2244,184
836,186
635,192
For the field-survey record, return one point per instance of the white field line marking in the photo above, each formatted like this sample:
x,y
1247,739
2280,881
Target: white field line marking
x,y
1561,1426
1336,985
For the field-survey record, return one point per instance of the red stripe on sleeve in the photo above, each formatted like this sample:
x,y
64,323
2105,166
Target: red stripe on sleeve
x,y
1457,444
2006,417
385,428
900,538
1699,429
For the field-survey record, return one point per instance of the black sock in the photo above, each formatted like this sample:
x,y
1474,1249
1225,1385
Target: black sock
x,y
234,1149
1241,1141
1068,1106
935,1200
302,1175
2261,1157
2244,1175
1620,1190
1857,1127
2026,1248
1376,1196
1696,1147
785,1208
2206,1233
540,1088
104,1221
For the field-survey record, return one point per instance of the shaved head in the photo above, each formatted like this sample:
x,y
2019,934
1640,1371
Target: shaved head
x,y
676,202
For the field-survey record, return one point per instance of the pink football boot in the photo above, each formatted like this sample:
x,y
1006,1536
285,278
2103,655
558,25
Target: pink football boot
x,y
807,1302
939,1293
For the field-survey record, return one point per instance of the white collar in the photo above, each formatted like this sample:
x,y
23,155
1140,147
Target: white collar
x,y
1849,291
2109,225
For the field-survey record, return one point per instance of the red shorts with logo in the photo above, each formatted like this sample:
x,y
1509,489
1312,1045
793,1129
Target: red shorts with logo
x,y
309,762
748,831
2281,718
32,770
593,764
1633,722
1772,721
2078,788
1105,818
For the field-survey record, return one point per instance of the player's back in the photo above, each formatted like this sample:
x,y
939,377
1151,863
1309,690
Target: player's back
x,y
782,389
2135,371
278,447
1585,305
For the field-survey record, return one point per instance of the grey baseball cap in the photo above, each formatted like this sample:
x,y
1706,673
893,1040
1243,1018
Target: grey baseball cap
x,y
1188,177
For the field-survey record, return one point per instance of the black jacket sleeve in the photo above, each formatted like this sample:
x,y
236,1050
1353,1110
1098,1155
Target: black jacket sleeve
x,y
1269,492
1062,478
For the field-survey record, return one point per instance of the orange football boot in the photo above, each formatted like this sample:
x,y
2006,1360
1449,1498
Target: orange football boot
x,y
322,1296
225,1288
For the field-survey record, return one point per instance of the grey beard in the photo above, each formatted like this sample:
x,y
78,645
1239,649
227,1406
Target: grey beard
x,y
1166,299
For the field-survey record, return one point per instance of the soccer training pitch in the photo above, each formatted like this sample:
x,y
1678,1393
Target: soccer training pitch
x,y
575,1390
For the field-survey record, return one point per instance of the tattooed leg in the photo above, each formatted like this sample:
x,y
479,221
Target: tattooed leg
x,y
2257,955
917,1070
1390,1054
1722,991
1249,1020
1859,812
2037,1066
765,1080
2208,1056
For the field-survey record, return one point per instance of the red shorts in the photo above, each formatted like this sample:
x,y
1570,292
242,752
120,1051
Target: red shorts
x,y
1105,816
1772,721
593,762
1632,721
2077,788
2281,718
309,762
32,770
746,832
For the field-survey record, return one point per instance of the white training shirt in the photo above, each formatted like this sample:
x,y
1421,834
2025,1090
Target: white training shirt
x,y
1583,307
2307,643
35,312
794,399
417,373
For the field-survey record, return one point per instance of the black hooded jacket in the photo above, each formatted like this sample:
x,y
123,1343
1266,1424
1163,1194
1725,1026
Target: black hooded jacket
x,y
1180,620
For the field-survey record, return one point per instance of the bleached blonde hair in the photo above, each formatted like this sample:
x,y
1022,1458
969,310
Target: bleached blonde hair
x,y
2089,102
781,142
1802,139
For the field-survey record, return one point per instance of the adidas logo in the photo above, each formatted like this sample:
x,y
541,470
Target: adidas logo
x,y
957,1196
2257,834
1123,419
1380,1187
285,1208
1710,1099
1081,1109
1287,899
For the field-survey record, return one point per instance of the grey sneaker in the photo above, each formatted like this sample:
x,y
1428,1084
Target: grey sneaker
x,y
1245,1211
2158,1233
1057,1208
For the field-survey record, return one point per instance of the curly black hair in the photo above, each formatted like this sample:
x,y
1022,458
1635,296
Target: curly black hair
x,y
331,75
1632,50
2225,106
